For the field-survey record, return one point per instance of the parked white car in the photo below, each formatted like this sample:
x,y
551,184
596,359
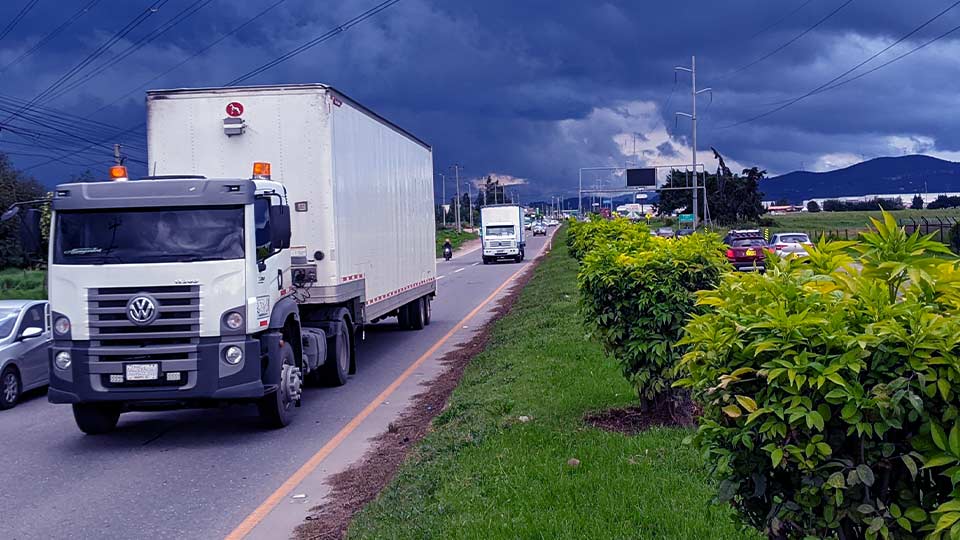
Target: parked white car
x,y
784,244
24,344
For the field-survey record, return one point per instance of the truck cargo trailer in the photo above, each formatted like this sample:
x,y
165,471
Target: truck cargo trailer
x,y
276,222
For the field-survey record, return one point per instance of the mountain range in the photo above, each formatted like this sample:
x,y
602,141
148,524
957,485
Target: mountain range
x,y
905,175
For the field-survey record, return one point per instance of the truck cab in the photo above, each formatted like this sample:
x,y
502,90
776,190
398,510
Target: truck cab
x,y
171,292
502,232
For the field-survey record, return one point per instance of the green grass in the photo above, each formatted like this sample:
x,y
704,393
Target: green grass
x,y
853,220
456,239
480,473
22,284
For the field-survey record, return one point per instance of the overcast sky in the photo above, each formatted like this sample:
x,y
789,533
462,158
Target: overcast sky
x,y
530,90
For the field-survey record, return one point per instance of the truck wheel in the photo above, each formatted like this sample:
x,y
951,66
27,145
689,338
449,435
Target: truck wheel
x,y
10,388
278,408
486,260
427,310
337,366
96,418
403,318
415,314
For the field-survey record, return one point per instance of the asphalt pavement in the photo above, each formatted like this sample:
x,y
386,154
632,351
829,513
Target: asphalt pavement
x,y
199,473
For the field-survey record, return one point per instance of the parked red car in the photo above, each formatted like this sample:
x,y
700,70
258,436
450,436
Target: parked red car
x,y
745,250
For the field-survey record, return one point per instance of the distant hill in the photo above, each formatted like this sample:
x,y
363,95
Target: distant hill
x,y
902,175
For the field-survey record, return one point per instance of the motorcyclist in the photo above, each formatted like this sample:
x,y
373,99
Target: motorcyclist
x,y
447,248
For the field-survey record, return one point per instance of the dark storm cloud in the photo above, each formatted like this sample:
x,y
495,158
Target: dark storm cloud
x,y
536,89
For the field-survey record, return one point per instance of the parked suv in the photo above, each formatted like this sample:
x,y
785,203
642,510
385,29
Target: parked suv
x,y
745,250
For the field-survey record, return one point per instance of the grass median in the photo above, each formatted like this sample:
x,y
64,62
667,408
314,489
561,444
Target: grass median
x,y
16,284
457,239
485,472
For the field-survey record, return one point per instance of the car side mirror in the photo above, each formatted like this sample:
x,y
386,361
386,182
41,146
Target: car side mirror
x,y
31,332
280,226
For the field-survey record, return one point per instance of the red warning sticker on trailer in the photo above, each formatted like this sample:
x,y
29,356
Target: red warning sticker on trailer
x,y
234,109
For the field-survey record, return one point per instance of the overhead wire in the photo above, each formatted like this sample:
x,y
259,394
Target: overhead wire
x,y
19,17
91,57
789,42
837,81
200,52
780,20
174,21
50,35
339,29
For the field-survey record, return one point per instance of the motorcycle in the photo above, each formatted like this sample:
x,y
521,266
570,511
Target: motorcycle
x,y
447,253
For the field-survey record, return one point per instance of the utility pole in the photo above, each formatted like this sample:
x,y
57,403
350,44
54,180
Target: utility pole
x,y
456,168
443,189
470,203
692,70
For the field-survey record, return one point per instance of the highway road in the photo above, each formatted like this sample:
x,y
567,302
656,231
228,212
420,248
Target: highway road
x,y
199,473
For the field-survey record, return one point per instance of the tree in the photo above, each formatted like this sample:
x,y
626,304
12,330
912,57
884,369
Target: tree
x,y
14,187
491,192
917,203
731,198
943,201
812,206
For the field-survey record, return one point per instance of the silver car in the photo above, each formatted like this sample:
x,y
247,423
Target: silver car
x,y
24,342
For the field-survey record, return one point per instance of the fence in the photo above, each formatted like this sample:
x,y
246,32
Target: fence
x,y
940,226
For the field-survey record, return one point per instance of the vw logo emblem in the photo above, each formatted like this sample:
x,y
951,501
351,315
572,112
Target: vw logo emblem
x,y
142,310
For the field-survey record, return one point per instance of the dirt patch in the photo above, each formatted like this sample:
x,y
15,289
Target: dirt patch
x,y
352,489
633,420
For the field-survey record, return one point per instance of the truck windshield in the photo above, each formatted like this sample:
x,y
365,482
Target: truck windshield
x,y
500,230
202,233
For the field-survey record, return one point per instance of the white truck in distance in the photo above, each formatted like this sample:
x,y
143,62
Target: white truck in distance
x,y
205,284
501,232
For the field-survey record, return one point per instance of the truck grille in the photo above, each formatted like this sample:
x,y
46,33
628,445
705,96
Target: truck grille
x,y
174,334
501,244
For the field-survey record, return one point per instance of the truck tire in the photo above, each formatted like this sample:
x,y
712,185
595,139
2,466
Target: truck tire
x,y
278,408
415,314
486,260
96,418
337,367
427,310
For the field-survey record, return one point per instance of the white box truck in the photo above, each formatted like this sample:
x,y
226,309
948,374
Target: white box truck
x,y
276,223
501,231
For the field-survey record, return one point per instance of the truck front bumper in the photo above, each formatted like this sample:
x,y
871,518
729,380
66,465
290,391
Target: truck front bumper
x,y
501,252
203,376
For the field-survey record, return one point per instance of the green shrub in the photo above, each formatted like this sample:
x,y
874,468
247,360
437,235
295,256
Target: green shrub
x,y
586,235
636,297
829,390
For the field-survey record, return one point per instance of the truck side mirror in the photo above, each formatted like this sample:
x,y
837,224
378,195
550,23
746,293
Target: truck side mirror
x,y
30,237
280,227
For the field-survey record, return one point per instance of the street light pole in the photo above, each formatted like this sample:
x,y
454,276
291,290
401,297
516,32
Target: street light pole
x,y
443,189
456,168
692,70
470,203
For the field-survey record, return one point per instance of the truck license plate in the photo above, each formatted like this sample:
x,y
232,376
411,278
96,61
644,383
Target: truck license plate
x,y
142,372
751,253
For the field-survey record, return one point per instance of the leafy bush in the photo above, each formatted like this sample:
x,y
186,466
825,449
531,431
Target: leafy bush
x,y
829,390
637,294
585,235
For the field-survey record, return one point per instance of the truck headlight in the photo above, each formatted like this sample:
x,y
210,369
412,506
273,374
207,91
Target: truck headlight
x,y
234,320
61,325
233,355
62,360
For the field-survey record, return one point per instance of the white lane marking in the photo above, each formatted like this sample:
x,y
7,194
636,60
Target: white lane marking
x,y
440,277
474,264
459,270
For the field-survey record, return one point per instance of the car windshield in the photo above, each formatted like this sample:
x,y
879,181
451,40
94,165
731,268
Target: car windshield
x,y
8,319
746,242
793,239
206,233
500,230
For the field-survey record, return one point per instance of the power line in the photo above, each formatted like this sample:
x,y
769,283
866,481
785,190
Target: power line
x,y
174,21
194,55
829,85
789,42
316,41
16,20
50,35
780,20
120,34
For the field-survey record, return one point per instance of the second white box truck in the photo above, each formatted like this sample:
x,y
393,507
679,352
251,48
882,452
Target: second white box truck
x,y
501,231
276,222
